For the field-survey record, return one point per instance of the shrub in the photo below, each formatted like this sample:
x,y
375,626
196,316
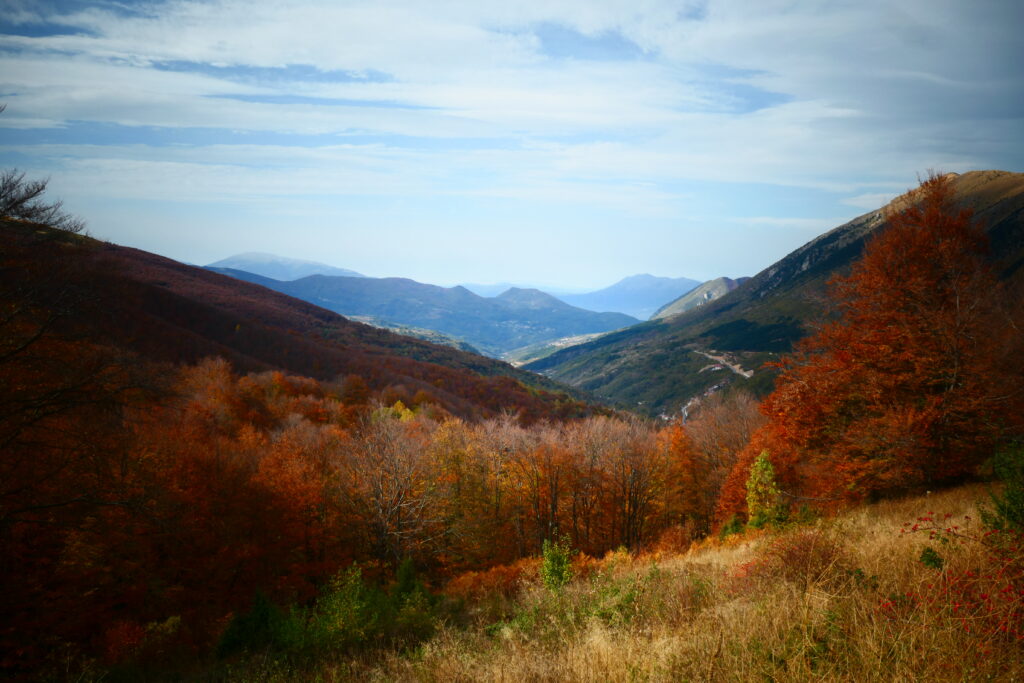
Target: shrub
x,y
504,580
762,493
732,526
804,557
931,559
1008,507
676,539
256,629
556,565
347,614
353,615
987,599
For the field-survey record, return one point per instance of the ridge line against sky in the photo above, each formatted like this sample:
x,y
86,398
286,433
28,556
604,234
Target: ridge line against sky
x,y
571,142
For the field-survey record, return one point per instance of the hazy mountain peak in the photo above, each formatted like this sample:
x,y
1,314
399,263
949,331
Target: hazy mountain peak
x,y
529,297
637,295
519,291
492,290
280,267
518,317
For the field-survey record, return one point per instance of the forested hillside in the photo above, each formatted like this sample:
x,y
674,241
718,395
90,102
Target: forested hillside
x,y
653,366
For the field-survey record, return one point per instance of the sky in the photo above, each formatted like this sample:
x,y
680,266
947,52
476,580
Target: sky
x,y
567,143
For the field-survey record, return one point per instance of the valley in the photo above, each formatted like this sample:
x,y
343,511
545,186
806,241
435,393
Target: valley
x,y
535,342
634,364
494,325
320,495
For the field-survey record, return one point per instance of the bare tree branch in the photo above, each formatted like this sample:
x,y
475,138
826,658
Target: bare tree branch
x,y
22,199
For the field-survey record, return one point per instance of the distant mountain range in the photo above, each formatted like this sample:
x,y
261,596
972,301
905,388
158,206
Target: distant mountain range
x,y
165,311
709,291
658,365
637,295
516,318
280,267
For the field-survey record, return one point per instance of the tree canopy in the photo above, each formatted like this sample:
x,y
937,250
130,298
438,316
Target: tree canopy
x,y
897,392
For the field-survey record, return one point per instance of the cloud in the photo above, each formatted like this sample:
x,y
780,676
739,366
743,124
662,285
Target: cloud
x,y
489,68
624,105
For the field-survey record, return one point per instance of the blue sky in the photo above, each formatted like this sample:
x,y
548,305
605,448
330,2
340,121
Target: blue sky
x,y
567,142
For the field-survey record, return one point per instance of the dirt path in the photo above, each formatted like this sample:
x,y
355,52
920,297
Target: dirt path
x,y
732,366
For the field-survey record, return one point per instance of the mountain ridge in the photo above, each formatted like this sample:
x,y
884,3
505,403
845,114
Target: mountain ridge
x,y
655,364
165,311
279,267
708,291
636,295
515,318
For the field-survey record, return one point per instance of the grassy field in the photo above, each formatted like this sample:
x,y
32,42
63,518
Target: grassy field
x,y
880,592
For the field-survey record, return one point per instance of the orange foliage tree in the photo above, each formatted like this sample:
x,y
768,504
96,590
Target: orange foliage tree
x,y
894,393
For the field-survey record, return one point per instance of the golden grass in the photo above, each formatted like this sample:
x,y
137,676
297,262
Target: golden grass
x,y
805,604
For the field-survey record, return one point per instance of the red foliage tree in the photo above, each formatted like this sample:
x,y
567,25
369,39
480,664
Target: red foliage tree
x,y
895,393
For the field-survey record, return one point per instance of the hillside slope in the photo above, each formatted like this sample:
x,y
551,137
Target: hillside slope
x,y
513,319
653,366
167,311
709,291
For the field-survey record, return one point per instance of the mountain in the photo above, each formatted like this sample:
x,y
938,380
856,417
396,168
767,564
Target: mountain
x,y
659,365
107,296
516,318
488,290
280,267
709,291
637,295
500,287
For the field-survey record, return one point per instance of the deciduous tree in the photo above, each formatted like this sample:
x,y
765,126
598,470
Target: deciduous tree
x,y
895,392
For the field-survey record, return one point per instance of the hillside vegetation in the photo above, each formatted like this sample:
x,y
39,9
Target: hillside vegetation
x,y
910,590
653,362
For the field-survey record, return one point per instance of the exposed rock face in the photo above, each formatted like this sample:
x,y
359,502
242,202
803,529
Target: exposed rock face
x,y
709,291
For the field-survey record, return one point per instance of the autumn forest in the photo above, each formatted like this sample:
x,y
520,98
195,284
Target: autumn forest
x,y
183,498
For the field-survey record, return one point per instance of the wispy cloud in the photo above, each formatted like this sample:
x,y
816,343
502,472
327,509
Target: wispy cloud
x,y
649,108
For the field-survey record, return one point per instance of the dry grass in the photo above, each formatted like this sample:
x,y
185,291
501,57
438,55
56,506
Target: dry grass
x,y
845,599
